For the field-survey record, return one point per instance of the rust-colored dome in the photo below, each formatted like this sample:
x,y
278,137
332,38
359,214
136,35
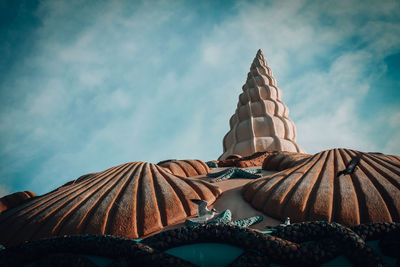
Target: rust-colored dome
x,y
314,190
186,168
80,179
14,199
130,200
279,161
395,159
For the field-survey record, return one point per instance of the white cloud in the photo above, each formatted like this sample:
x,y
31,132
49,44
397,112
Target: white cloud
x,y
49,100
212,54
114,101
391,118
340,128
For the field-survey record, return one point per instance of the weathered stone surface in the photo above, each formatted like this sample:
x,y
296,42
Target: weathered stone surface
x,y
283,160
256,159
130,200
261,121
80,179
14,199
321,189
270,161
186,168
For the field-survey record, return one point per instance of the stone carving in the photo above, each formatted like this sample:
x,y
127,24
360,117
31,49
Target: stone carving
x,y
283,160
14,199
234,173
225,217
130,200
313,190
261,121
185,168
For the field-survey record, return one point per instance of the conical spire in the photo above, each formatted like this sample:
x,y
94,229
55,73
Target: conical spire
x,y
259,60
261,121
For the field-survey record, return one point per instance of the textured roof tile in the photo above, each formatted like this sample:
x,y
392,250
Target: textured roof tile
x,y
14,199
186,168
130,200
313,190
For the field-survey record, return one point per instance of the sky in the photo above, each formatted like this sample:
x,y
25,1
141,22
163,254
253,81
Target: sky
x,y
87,85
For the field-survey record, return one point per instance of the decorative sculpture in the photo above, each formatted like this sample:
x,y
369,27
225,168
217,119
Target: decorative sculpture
x,y
313,190
261,121
185,168
234,173
130,200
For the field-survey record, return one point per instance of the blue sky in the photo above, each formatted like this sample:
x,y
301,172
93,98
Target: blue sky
x,y
86,85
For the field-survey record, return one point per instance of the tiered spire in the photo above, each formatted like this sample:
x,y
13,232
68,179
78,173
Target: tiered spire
x,y
261,121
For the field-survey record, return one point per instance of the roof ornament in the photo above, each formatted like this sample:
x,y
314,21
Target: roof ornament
x,y
261,121
234,173
224,217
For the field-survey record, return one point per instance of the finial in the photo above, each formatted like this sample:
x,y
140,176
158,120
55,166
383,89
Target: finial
x,y
248,135
259,60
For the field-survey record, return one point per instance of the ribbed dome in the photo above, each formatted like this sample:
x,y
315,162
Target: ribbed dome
x,y
314,190
283,160
14,199
261,121
395,159
80,179
130,200
185,168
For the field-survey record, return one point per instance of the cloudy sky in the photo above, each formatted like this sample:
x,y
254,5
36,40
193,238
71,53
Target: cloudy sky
x,y
86,85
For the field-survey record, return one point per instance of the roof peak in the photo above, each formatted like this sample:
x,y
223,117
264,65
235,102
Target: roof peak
x,y
261,99
259,60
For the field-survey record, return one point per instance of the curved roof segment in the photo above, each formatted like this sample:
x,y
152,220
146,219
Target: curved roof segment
x,y
283,160
130,200
14,199
322,189
186,168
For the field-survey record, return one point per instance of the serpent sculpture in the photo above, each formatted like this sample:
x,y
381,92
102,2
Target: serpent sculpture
x,y
234,173
308,243
300,244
